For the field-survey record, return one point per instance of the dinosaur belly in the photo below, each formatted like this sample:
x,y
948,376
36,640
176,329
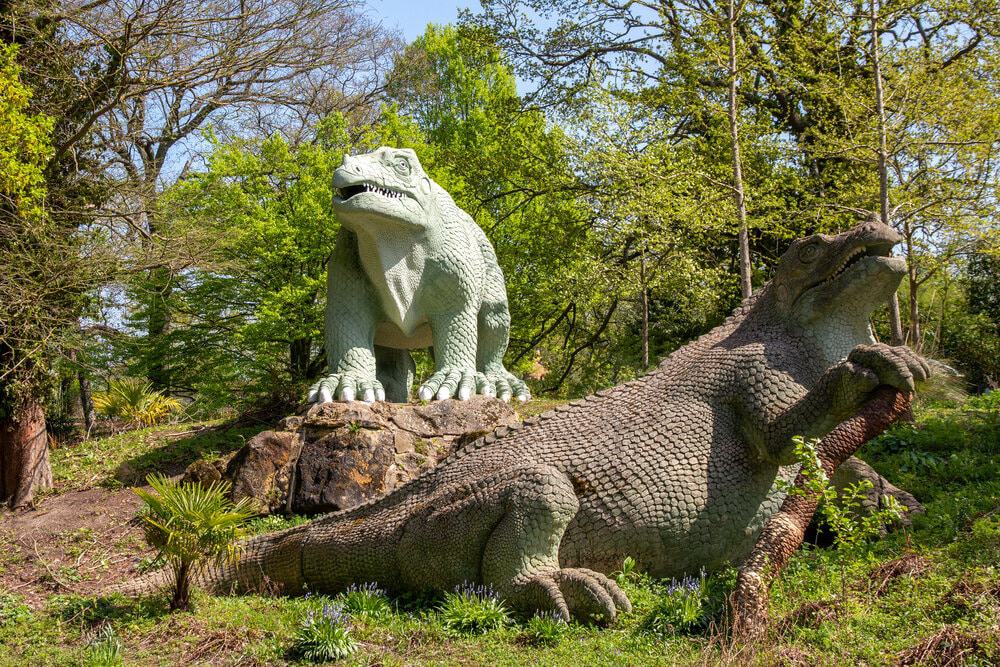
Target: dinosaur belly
x,y
395,267
388,334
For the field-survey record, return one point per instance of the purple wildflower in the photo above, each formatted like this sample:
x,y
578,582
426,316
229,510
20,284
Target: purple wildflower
x,y
478,591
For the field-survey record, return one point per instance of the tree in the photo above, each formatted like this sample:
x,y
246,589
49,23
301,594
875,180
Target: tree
x,y
248,315
159,72
640,54
25,328
922,119
512,172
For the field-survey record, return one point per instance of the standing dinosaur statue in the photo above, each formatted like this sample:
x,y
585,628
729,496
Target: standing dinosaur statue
x,y
410,269
677,468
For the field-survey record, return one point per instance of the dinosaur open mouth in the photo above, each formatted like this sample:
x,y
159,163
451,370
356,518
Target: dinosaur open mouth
x,y
353,190
857,255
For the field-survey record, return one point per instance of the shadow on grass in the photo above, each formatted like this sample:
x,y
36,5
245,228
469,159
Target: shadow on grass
x,y
108,608
172,456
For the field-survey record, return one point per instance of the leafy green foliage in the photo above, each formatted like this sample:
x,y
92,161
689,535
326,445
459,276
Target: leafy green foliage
x,y
135,400
190,525
13,610
473,609
841,510
324,636
24,141
628,571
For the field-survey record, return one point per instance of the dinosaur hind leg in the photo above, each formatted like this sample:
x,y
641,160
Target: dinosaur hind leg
x,y
521,557
395,370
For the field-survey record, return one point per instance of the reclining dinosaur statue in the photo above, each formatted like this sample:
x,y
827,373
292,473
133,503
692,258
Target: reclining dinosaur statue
x,y
676,468
410,269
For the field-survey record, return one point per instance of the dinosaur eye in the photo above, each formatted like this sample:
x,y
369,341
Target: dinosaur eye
x,y
809,252
402,166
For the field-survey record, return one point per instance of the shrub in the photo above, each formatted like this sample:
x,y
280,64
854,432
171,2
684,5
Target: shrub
x,y
135,400
324,636
190,525
473,609
367,600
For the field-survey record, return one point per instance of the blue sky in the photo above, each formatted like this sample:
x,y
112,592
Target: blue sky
x,y
412,16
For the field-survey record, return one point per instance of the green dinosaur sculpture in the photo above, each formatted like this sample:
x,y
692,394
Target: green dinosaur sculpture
x,y
677,469
410,270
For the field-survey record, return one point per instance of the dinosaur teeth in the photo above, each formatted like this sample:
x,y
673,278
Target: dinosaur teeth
x,y
368,187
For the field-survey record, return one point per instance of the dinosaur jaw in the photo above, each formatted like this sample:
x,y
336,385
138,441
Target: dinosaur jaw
x,y
370,200
859,285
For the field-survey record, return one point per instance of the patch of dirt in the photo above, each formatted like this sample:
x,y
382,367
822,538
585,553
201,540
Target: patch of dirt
x,y
811,615
792,656
910,565
77,542
949,646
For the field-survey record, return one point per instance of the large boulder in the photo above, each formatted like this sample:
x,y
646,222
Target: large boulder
x,y
338,455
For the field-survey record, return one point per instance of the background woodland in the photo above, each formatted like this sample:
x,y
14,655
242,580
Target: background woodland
x,y
166,165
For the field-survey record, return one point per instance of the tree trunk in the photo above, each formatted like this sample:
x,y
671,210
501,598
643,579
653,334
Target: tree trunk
x,y
157,323
895,322
739,197
645,312
783,533
299,358
182,588
915,334
24,455
86,402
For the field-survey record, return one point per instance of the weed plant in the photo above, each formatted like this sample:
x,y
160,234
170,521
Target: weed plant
x,y
471,609
545,629
105,648
324,635
366,600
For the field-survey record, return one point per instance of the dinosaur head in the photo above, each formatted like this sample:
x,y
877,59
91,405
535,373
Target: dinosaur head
x,y
385,186
823,280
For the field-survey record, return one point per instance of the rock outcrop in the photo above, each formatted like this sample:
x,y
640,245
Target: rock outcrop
x,y
338,455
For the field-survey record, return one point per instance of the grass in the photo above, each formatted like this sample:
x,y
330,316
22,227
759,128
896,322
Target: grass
x,y
126,458
935,588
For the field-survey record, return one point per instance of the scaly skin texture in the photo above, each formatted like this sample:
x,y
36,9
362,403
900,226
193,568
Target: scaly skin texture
x,y
676,469
410,270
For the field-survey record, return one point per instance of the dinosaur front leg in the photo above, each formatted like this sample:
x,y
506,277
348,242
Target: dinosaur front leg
x,y
351,316
494,330
454,354
521,556
841,391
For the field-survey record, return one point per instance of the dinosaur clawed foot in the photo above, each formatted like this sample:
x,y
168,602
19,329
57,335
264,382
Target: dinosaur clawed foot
x,y
505,385
578,592
462,383
346,387
448,382
898,367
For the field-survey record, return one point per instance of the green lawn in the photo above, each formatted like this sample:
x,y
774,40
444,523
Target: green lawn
x,y
945,590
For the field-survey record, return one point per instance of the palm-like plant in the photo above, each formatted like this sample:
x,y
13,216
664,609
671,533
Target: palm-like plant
x,y
135,400
191,525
